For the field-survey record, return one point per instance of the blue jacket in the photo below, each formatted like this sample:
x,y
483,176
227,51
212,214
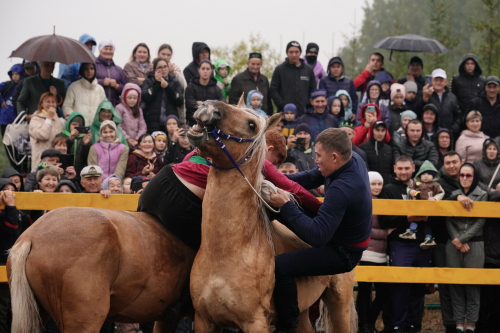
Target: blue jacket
x,y
344,83
69,73
341,116
345,217
317,121
7,90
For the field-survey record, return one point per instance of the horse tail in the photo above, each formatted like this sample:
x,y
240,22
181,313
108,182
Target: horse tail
x,y
25,316
326,320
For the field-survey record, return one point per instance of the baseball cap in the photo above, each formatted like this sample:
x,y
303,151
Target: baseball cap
x,y
492,79
91,171
379,123
438,72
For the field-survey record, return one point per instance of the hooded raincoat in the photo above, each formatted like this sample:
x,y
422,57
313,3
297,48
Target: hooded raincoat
x,y
95,127
132,128
71,73
226,88
486,169
191,70
7,91
467,86
361,133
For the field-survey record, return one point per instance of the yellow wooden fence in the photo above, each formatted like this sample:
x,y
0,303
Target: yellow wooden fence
x,y
50,201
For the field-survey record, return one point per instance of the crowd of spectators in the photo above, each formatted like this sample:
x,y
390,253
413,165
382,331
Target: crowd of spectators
x,y
99,128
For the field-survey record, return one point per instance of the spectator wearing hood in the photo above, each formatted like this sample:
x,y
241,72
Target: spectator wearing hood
x,y
415,68
336,80
316,116
7,90
84,95
30,68
71,73
469,82
201,88
411,96
222,72
200,51
465,248
405,118
311,58
109,153
290,119
370,114
15,177
386,81
163,94
378,152
470,143
108,74
373,95
443,140
137,69
374,66
254,102
133,124
335,106
106,111
430,120
415,146
66,186
487,166
293,80
349,112
303,154
35,86
488,103
445,101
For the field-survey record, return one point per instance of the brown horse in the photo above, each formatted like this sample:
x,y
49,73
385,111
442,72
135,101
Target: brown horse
x,y
82,266
232,277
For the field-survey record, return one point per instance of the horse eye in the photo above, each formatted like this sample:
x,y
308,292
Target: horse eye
x,y
252,125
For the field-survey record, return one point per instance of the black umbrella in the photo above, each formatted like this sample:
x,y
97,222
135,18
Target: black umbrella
x,y
53,48
411,43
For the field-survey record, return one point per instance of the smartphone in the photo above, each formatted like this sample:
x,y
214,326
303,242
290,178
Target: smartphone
x,y
428,80
66,160
300,142
370,109
82,129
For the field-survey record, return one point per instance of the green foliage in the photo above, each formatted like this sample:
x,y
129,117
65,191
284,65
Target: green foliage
x,y
237,55
489,28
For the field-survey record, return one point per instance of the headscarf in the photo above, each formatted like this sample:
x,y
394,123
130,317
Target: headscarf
x,y
475,181
105,182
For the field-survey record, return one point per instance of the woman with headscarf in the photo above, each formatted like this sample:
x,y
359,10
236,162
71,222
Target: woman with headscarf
x,y
443,140
83,96
109,75
465,248
113,183
136,70
489,166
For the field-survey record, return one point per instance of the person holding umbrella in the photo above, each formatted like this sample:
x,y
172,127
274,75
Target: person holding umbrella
x,y
109,75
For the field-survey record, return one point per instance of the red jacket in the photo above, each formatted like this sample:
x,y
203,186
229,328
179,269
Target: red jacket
x,y
361,133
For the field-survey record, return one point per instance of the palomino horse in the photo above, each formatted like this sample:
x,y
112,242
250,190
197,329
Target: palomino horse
x,y
232,277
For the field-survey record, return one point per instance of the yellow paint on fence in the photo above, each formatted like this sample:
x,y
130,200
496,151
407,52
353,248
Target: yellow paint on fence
x,y
3,274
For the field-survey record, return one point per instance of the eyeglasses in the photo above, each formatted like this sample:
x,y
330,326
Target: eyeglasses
x,y
465,175
162,67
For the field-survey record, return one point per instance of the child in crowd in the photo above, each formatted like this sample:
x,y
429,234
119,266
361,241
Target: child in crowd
x,y
113,183
288,168
336,108
222,71
7,90
77,144
178,147
397,106
424,187
59,143
126,185
254,102
411,94
171,125
133,124
289,119
15,178
160,139
347,103
385,80
106,111
66,186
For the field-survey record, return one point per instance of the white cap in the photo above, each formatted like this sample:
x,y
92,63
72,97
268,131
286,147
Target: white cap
x,y
374,175
91,171
106,42
439,73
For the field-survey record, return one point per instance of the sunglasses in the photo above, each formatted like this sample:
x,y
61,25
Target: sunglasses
x,y
465,175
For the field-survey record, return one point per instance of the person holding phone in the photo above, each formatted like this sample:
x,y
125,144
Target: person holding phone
x,y
370,114
178,146
301,148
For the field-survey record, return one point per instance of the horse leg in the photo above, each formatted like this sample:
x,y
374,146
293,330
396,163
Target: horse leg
x,y
338,310
305,325
202,325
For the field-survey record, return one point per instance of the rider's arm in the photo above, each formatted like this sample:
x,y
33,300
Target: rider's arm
x,y
310,179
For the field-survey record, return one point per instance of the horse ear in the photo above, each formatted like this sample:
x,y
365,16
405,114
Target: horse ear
x,y
273,120
241,102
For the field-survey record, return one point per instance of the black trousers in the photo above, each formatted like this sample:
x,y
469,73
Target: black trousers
x,y
327,260
489,310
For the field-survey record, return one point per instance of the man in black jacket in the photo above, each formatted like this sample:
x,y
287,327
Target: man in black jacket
x,y
450,116
293,80
200,51
415,68
379,154
407,297
469,82
251,79
488,103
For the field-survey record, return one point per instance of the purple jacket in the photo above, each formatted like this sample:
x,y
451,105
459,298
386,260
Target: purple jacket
x,y
108,155
318,70
104,69
131,127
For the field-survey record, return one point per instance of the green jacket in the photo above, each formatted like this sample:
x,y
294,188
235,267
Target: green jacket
x,y
427,166
96,124
220,83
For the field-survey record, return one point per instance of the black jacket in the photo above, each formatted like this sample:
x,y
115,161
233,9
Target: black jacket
x,y
153,95
244,82
198,92
9,172
379,156
491,114
292,84
304,158
12,223
191,70
175,154
424,150
466,86
438,223
486,170
33,88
